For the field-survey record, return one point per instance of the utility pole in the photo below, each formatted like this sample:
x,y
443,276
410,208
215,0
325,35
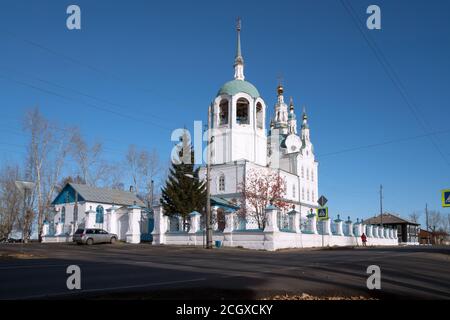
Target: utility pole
x,y
426,217
381,205
150,205
208,191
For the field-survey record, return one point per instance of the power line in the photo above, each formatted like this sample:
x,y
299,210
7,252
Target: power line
x,y
379,144
68,58
17,132
395,79
94,106
121,106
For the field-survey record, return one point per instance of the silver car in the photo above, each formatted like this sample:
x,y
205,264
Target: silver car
x,y
91,236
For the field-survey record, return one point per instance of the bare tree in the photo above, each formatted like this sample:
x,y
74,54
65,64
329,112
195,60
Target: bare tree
x,y
10,200
145,170
92,168
47,151
415,216
134,163
435,220
69,179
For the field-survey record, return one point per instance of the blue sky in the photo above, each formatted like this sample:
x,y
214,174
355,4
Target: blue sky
x,y
155,66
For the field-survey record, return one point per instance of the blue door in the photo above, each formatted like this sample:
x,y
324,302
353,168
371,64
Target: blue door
x,y
147,227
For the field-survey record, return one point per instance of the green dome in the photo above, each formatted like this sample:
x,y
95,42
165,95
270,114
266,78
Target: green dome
x,y
235,86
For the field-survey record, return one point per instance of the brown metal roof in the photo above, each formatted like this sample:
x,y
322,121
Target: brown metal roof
x,y
389,218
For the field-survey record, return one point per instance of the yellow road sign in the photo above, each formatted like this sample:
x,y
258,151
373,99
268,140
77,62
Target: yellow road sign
x,y
446,198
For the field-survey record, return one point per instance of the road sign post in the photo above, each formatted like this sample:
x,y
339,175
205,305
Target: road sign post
x,y
322,213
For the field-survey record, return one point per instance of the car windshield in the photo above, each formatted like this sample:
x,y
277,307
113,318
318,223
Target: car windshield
x,y
79,231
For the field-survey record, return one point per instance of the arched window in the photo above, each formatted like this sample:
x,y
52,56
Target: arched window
x,y
222,183
99,215
223,112
63,215
75,213
242,111
259,116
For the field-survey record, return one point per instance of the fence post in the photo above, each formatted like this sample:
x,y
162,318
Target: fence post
x,y
312,223
349,224
160,226
339,228
294,221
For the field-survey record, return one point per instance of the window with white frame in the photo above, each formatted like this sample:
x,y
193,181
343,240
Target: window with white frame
x,y
303,172
307,174
307,195
303,194
293,190
63,215
222,183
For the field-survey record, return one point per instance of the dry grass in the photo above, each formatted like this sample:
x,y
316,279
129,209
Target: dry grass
x,y
18,255
306,296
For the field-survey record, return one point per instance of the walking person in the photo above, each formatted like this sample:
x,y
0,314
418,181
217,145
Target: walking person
x,y
364,239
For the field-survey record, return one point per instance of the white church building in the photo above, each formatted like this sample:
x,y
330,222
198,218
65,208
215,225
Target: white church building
x,y
82,206
242,144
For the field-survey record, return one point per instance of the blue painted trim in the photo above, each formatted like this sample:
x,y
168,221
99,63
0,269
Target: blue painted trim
x,y
287,230
67,195
134,207
249,230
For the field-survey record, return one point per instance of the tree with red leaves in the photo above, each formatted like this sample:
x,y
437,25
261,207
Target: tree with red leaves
x,y
259,189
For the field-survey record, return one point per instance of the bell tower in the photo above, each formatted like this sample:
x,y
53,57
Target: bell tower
x,y
239,116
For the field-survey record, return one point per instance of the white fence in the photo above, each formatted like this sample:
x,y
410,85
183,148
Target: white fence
x,y
279,232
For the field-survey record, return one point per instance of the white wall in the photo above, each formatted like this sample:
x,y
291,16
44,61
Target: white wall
x,y
274,241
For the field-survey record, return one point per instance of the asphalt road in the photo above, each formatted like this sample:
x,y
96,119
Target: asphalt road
x,y
161,272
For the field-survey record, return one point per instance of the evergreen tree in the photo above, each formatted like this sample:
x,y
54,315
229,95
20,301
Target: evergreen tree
x,y
183,194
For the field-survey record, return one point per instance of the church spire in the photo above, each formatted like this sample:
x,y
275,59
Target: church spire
x,y
292,125
305,119
238,60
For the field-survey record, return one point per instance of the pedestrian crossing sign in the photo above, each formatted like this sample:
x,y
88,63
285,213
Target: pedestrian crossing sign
x,y
446,198
322,213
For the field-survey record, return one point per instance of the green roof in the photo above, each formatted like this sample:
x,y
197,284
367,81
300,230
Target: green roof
x,y
235,86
